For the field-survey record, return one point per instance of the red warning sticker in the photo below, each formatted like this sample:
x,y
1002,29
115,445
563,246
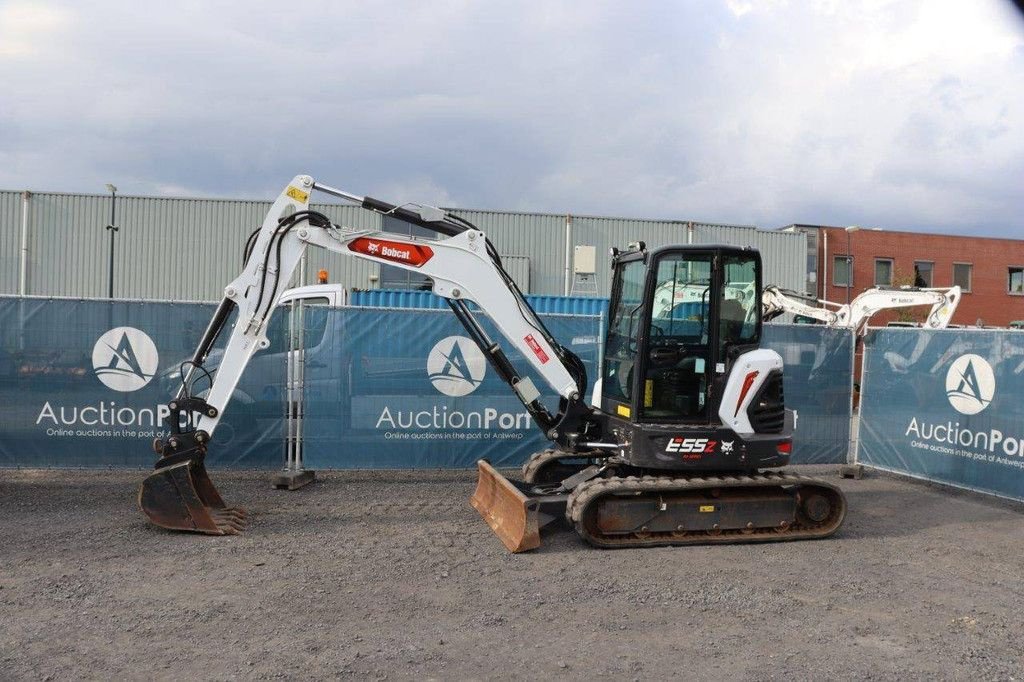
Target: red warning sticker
x,y
537,350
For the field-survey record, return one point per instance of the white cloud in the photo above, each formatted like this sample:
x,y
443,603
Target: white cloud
x,y
26,28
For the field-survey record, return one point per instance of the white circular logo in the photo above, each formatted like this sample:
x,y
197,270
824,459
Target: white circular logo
x,y
125,359
970,384
456,366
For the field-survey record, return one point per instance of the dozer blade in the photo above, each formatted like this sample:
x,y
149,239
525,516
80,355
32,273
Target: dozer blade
x,y
182,497
510,514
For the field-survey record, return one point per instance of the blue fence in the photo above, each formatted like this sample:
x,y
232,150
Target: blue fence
x,y
416,392
818,385
85,383
946,406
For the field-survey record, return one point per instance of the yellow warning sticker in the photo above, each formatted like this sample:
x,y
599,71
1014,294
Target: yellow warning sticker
x,y
297,194
623,411
706,508
649,393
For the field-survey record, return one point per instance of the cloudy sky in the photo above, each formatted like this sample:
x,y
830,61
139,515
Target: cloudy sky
x,y
905,114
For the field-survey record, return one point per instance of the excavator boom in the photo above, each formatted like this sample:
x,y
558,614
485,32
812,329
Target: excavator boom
x,y
464,267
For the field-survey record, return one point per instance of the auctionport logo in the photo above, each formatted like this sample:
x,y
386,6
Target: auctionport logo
x,y
970,384
125,359
456,366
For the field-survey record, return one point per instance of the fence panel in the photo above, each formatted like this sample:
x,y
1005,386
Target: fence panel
x,y
818,382
414,391
85,382
945,406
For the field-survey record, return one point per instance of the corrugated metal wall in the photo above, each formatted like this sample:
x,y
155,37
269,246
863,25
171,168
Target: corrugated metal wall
x,y
605,233
10,241
541,238
538,237
188,249
783,254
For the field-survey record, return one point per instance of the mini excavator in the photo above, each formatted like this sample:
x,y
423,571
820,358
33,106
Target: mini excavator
x,y
680,442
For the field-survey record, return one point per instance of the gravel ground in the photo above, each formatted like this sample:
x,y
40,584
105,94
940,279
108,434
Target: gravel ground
x,y
387,574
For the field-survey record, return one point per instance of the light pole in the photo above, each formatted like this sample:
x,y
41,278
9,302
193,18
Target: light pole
x,y
112,228
849,261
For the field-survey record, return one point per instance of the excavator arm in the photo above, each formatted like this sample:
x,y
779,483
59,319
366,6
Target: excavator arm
x,y
464,267
855,315
776,302
943,302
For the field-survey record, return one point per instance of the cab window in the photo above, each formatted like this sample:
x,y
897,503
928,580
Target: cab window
x,y
675,381
623,329
738,316
681,299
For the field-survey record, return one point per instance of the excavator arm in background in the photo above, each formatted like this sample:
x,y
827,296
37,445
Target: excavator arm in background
x,y
943,302
776,301
464,267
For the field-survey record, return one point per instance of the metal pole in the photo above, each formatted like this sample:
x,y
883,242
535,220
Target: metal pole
x,y
300,389
568,254
849,268
289,384
23,273
824,264
112,229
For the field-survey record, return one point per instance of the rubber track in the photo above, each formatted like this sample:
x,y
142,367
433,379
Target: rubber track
x,y
584,496
539,460
536,461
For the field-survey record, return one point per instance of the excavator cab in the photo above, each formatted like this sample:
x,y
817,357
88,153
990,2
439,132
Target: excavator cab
x,y
678,317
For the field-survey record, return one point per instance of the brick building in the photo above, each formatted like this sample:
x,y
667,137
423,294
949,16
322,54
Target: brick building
x,y
989,271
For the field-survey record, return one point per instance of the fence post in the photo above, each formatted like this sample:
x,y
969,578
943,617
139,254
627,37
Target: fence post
x,y
852,469
23,269
293,475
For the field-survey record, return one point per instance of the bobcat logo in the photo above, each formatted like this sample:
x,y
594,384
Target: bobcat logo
x,y
727,447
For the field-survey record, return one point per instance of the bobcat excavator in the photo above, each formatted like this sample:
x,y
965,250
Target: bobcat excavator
x,y
668,451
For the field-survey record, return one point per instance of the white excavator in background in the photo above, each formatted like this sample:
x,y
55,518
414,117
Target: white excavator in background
x,y
855,315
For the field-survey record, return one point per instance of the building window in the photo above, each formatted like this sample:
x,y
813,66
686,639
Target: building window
x,y
962,273
923,273
883,272
841,272
1015,283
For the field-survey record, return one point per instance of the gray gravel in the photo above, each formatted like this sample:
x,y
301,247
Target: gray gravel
x,y
375,575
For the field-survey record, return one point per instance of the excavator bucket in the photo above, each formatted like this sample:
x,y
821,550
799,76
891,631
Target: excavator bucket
x,y
182,497
510,513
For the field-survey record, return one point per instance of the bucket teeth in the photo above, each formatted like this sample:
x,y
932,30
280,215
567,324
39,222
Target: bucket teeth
x,y
229,521
182,497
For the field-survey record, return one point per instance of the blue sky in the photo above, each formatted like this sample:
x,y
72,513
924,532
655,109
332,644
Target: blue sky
x,y
901,114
